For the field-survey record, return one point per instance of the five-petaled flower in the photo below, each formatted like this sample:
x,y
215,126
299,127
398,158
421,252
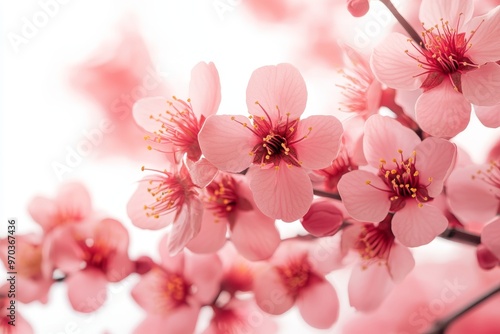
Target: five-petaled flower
x,y
274,142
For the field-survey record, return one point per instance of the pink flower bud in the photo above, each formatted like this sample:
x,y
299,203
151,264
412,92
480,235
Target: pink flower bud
x,y
143,265
322,219
358,8
485,258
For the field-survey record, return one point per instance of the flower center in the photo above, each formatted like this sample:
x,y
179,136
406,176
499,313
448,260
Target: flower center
x,y
176,288
295,275
222,196
179,127
276,139
442,54
340,166
169,191
30,261
374,242
403,181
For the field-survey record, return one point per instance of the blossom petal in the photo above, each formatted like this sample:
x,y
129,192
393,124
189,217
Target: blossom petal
x,y
392,66
180,320
226,143
383,139
364,202
485,47
368,286
204,271
202,172
454,12
87,290
400,262
482,86
489,115
319,305
212,234
146,110
254,235
322,144
279,86
281,193
74,198
186,226
204,89
63,250
490,237
435,157
43,211
270,293
416,226
442,111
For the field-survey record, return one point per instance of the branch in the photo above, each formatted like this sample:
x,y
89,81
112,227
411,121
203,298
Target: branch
x,y
440,326
409,29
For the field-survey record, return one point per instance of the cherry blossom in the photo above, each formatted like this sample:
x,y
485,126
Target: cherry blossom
x,y
455,65
276,145
406,175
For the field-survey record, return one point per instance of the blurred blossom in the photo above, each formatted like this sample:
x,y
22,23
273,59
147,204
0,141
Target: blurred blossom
x,y
21,326
358,7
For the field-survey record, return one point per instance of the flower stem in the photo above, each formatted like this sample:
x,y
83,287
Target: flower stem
x,y
409,29
440,326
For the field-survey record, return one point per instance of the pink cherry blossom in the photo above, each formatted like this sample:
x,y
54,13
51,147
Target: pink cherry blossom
x,y
358,8
168,198
473,192
455,65
409,173
323,218
383,263
72,204
31,267
293,276
6,316
229,205
173,292
277,146
91,256
174,125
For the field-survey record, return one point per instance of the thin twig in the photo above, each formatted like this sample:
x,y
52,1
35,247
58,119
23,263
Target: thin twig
x,y
409,29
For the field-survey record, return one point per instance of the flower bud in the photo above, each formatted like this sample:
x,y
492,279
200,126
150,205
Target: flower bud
x,y
322,219
358,8
485,258
143,265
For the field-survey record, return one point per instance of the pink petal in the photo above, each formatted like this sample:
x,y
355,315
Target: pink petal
x,y
322,144
284,193
254,235
279,86
87,290
204,89
481,86
212,234
489,115
400,262
226,143
22,326
364,202
319,305
137,214
490,237
146,110
202,172
416,226
148,292
392,66
44,212
63,250
186,226
433,11
442,112
270,293
369,286
74,199
383,138
484,47
435,158
205,273
174,264
113,234
471,199
181,320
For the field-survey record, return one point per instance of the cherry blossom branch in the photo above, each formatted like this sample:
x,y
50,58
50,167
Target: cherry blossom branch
x,y
440,326
409,29
326,194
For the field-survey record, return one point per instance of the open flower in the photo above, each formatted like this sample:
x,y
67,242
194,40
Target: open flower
x,y
164,198
455,66
229,205
383,262
91,256
410,174
174,125
274,142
